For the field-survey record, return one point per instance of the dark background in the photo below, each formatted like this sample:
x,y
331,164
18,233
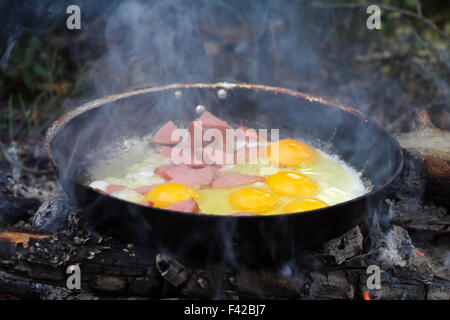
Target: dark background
x,y
320,47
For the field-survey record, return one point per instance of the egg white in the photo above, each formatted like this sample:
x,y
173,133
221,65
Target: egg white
x,y
338,182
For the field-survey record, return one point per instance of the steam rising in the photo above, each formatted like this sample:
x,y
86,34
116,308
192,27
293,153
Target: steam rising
x,y
275,43
161,42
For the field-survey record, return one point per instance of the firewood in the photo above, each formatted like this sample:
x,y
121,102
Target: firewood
x,y
428,159
118,270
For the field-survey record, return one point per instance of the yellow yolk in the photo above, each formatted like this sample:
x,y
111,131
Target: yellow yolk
x,y
304,205
254,200
291,153
293,184
170,193
338,183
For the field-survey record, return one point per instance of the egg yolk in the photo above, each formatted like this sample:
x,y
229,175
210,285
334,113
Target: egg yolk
x,y
291,153
170,193
253,200
304,205
293,184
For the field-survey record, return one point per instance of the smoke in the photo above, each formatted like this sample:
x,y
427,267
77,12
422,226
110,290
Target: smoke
x,y
292,43
151,43
283,43
447,261
155,42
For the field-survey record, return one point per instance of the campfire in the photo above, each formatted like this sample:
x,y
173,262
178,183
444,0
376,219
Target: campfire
x,y
129,74
404,238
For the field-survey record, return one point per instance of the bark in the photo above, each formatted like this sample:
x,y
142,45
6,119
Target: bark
x,y
427,151
111,269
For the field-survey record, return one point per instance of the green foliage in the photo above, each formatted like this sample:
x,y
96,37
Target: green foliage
x,y
35,64
40,73
35,80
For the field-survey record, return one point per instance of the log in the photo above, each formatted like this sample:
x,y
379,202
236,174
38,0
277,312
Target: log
x,y
413,215
427,152
112,269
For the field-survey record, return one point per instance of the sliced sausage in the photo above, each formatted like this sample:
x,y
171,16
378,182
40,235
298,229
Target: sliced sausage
x,y
146,189
188,205
235,179
194,160
195,178
169,171
217,157
204,122
164,134
114,188
147,203
211,121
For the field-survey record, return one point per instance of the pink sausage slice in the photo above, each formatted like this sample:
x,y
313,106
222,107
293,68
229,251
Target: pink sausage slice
x,y
147,203
217,157
184,174
164,134
170,171
211,121
188,205
114,188
145,189
192,161
195,178
166,150
235,179
204,122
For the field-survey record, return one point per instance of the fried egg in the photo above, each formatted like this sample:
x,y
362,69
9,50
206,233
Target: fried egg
x,y
297,178
167,194
254,200
301,205
291,153
293,184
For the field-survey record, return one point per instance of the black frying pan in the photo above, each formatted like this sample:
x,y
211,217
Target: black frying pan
x,y
93,131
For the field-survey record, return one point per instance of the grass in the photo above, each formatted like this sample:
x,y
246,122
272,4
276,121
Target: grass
x,y
35,85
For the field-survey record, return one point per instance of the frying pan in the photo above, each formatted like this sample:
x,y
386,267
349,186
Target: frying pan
x,y
95,131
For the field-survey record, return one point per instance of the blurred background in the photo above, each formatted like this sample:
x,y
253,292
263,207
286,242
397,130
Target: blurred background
x,y
319,47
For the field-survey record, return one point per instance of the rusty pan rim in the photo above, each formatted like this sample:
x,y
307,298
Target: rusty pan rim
x,y
61,122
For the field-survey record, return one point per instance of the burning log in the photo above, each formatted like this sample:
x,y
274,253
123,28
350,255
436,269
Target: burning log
x,y
21,238
112,269
347,246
